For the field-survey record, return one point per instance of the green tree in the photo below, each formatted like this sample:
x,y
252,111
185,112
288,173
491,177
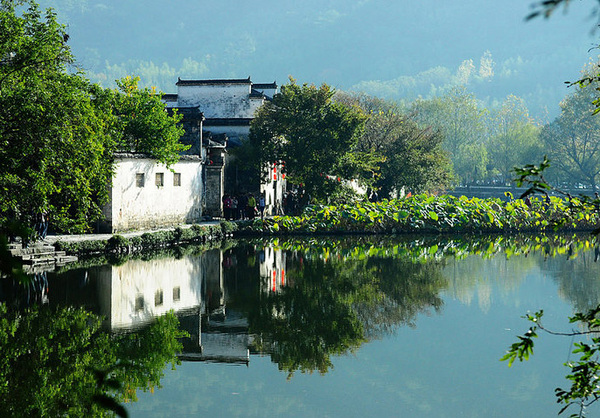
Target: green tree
x,y
573,138
313,134
56,149
459,117
58,131
412,156
514,138
472,162
145,124
401,153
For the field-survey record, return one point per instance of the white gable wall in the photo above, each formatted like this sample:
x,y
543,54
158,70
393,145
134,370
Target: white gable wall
x,y
151,206
219,100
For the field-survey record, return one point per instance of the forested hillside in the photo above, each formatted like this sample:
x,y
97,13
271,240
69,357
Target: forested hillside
x,y
397,50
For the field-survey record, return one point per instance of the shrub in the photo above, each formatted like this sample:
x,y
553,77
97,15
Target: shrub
x,y
118,243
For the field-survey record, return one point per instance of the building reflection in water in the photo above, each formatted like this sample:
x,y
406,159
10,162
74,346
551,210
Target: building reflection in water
x,y
272,269
129,296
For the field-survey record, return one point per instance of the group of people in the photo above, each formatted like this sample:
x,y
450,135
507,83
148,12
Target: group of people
x,y
247,206
244,206
294,202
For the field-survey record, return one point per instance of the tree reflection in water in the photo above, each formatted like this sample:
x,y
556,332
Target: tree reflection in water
x,y
338,300
302,301
341,293
57,361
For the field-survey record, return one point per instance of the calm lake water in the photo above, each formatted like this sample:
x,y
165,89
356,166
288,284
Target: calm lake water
x,y
356,327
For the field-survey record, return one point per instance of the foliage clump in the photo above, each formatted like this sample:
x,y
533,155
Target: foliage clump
x,y
119,244
59,132
435,214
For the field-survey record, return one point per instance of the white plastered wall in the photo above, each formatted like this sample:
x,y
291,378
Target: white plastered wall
x,y
151,206
218,100
142,290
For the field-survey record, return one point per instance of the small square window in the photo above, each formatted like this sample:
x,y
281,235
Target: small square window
x,y
158,298
176,293
139,180
160,179
139,302
176,179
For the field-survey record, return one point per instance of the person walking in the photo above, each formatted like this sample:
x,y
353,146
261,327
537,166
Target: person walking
x,y
251,207
227,207
242,203
261,206
235,214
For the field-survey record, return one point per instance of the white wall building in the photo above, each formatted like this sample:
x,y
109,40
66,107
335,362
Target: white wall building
x,y
146,195
228,106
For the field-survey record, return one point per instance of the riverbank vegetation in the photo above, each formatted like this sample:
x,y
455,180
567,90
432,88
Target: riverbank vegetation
x,y
59,131
434,214
425,215
119,245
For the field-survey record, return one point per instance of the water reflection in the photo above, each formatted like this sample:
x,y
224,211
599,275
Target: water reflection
x,y
301,301
304,301
330,305
56,361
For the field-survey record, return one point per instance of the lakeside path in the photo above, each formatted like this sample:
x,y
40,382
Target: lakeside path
x,y
52,239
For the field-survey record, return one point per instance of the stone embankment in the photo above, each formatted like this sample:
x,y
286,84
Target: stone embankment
x,y
140,241
39,256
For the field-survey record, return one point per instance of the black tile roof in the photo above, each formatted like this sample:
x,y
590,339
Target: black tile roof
x,y
141,155
181,82
227,121
264,86
188,112
255,94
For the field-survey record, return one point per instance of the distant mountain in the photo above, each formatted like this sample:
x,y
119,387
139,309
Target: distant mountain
x,y
398,49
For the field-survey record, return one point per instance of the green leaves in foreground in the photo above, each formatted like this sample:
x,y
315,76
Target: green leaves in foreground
x,y
523,348
584,372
